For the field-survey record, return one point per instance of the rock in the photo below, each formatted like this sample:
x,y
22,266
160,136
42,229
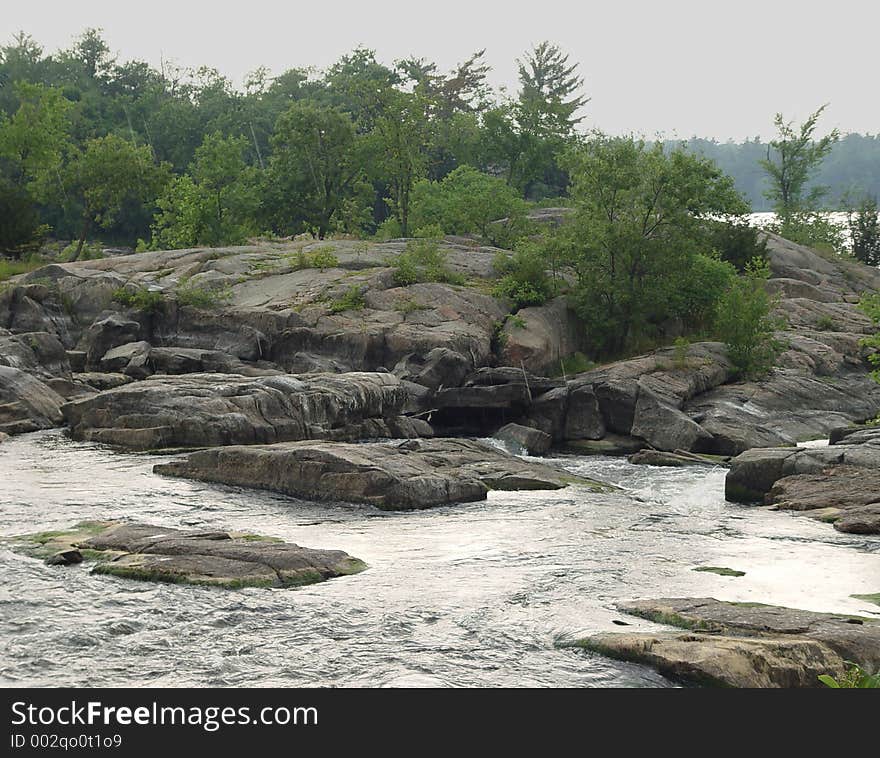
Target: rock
x,y
583,419
533,441
610,444
675,459
159,554
117,359
65,558
539,337
852,492
549,412
665,427
3,437
754,472
196,410
390,476
854,639
108,333
26,403
38,353
473,409
441,367
723,661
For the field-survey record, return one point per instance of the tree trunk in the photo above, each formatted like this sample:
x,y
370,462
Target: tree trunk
x,y
87,223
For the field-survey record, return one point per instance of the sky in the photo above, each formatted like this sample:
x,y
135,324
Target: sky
x,y
671,68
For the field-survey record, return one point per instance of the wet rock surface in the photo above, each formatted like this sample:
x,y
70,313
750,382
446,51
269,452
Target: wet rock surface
x,y
744,644
214,558
392,476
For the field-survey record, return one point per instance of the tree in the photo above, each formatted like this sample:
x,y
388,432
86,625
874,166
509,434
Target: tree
x,y
870,306
864,230
33,139
108,173
466,201
400,139
636,234
744,322
316,164
548,95
214,204
792,159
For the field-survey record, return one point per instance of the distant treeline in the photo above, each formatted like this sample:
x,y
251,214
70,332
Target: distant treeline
x,y
851,169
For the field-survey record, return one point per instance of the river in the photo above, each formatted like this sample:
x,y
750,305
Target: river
x,y
477,594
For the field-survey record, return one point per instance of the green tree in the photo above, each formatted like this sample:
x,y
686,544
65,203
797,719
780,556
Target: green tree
x,y
864,230
215,204
870,306
108,173
465,201
316,165
745,324
548,97
792,159
636,234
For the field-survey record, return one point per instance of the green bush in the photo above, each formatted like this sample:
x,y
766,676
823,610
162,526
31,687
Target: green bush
x,y
870,306
855,677
465,201
351,300
524,277
146,301
10,268
736,242
203,298
91,251
744,322
20,228
812,229
423,261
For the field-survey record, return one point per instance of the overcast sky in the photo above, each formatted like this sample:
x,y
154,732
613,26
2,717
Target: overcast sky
x,y
673,67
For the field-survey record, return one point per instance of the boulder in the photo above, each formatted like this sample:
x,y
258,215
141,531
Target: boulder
x,y
583,419
391,476
26,403
539,337
196,410
160,554
532,441
109,332
440,367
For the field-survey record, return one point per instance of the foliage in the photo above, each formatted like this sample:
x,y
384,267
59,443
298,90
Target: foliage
x,y
855,677
140,299
792,158
214,204
201,297
736,242
864,230
10,268
106,175
637,237
466,201
810,228
523,276
316,170
89,252
744,322
870,306
20,228
351,300
423,261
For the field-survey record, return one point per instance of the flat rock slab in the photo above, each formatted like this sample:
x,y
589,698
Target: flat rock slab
x,y
214,558
839,483
197,410
391,476
744,644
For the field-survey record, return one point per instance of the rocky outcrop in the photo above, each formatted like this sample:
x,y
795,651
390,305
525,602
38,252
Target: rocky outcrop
x,y
532,441
839,483
744,645
540,337
26,403
213,558
392,476
196,410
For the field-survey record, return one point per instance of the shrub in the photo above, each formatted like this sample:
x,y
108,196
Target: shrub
x,y
203,298
144,300
810,228
736,242
855,677
870,306
20,228
423,261
744,322
91,251
322,257
523,279
351,300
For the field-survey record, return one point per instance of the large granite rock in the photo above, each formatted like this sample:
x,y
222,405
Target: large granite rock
x,y
392,476
26,403
214,558
196,410
744,645
539,337
838,483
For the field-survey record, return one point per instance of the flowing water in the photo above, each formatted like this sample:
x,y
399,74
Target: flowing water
x,y
477,594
